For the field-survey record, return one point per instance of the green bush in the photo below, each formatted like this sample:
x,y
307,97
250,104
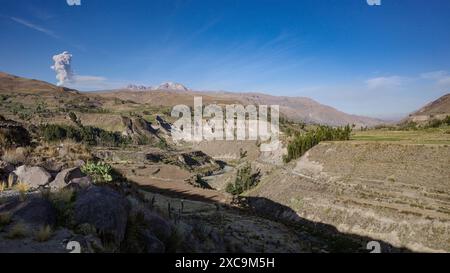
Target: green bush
x,y
245,180
86,134
303,142
100,172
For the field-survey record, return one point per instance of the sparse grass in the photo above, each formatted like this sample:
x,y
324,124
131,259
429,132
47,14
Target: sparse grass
x,y
17,231
3,186
64,195
43,234
15,156
22,187
63,201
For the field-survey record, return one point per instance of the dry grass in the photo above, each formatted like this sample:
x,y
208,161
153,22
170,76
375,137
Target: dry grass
x,y
19,230
64,195
16,156
22,187
68,150
3,186
43,234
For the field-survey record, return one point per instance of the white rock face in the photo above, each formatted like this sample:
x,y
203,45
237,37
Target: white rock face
x,y
172,86
169,86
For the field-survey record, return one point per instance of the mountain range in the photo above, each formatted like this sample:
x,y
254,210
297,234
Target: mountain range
x,y
299,109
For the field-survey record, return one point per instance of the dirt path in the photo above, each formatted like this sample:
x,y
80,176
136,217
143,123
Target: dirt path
x,y
170,180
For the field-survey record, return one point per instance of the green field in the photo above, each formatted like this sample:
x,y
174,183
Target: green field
x,y
422,136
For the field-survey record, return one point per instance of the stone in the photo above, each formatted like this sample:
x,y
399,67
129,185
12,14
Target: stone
x,y
81,183
64,177
35,177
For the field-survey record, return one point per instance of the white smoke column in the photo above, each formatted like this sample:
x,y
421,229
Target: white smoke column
x,y
63,67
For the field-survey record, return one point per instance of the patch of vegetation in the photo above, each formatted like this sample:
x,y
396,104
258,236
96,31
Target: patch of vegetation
x,y
43,234
436,123
18,231
198,181
100,172
245,180
63,201
303,142
86,134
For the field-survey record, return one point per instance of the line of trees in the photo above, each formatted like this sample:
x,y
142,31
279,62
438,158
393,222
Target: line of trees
x,y
86,134
303,142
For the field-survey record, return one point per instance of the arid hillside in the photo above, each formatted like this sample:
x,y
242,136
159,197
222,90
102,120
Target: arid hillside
x,y
437,109
398,193
298,109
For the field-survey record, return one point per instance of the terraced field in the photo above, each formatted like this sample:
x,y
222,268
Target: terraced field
x,y
397,193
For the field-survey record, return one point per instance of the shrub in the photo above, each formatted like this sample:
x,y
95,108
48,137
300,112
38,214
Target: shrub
x,y
43,234
19,230
86,134
303,142
447,120
63,201
99,171
198,181
434,123
245,180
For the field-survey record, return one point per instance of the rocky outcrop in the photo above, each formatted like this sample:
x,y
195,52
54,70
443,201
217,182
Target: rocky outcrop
x,y
34,212
104,209
140,130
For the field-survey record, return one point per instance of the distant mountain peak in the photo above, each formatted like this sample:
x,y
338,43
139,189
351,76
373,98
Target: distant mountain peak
x,y
172,86
168,86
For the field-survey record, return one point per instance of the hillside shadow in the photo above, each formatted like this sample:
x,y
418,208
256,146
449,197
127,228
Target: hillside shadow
x,y
335,240
322,237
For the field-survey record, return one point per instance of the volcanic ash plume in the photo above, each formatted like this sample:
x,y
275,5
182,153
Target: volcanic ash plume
x,y
63,68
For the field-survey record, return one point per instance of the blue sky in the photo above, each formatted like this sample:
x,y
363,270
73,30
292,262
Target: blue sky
x,y
381,61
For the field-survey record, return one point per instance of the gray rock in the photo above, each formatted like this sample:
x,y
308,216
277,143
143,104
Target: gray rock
x,y
105,209
65,177
80,183
33,176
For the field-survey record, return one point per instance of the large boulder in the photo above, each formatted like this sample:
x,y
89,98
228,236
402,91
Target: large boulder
x,y
35,177
105,209
64,177
35,212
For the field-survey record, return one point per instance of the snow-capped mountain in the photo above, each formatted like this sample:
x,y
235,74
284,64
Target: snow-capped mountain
x,y
169,86
172,86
